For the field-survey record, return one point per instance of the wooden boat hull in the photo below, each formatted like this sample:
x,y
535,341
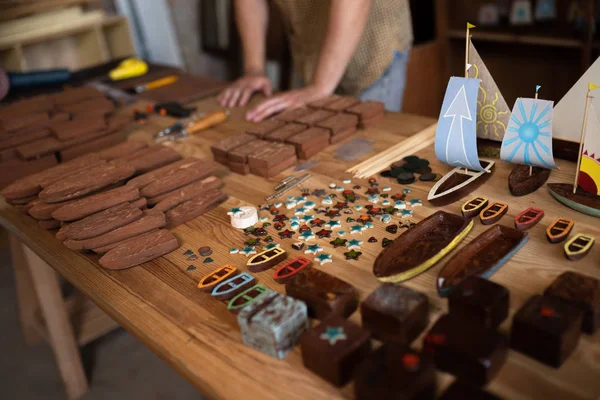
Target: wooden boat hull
x,y
529,218
582,201
481,257
559,230
266,259
473,207
291,268
246,298
456,184
421,247
232,286
492,213
208,282
520,183
579,246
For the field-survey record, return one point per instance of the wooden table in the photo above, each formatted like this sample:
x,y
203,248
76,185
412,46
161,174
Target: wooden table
x,y
160,305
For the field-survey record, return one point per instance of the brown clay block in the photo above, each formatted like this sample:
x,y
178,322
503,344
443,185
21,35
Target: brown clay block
x,y
121,150
75,95
371,121
60,117
140,203
314,117
145,224
308,153
342,103
240,154
13,123
85,182
222,161
78,126
342,135
239,168
8,154
292,115
183,176
81,208
339,123
366,110
17,169
69,168
117,122
195,207
275,169
22,201
38,148
221,148
107,248
139,251
29,205
271,155
95,105
92,146
87,137
43,211
172,199
265,127
310,138
149,177
155,159
33,105
49,224
27,136
60,235
285,132
103,222
324,101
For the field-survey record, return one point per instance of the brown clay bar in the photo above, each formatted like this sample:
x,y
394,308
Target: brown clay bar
x,y
33,105
39,148
366,110
194,208
240,154
75,95
275,169
12,140
221,148
314,117
139,251
43,211
80,126
140,203
263,128
102,222
286,131
154,159
149,177
342,104
107,248
342,135
291,115
87,137
271,155
94,145
179,178
172,199
23,201
121,150
310,138
40,120
49,224
81,208
239,168
95,105
324,101
339,123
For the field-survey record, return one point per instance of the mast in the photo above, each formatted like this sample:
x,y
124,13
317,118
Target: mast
x,y
588,98
537,89
468,42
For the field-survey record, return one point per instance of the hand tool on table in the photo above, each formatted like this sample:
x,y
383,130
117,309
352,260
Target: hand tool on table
x,y
167,80
129,68
288,184
190,126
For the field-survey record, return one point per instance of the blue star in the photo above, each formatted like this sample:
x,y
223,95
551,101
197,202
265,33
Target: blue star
x,y
347,180
368,225
308,218
386,218
341,233
324,258
233,250
416,203
294,225
307,235
356,229
235,211
295,218
300,199
309,205
247,251
406,191
290,204
400,205
300,211
387,188
271,246
332,335
339,189
406,213
385,203
313,249
333,224
358,207
278,204
373,198
327,200
354,244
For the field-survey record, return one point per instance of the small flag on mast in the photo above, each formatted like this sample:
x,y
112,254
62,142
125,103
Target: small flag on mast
x,y
537,88
469,66
593,86
470,26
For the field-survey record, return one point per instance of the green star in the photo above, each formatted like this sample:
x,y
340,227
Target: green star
x,y
338,242
352,255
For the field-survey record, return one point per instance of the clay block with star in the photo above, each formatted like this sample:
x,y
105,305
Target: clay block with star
x,y
339,123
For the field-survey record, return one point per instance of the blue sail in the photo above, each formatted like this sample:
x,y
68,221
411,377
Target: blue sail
x,y
456,134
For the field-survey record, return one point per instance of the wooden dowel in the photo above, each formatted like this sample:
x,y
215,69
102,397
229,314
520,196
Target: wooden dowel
x,y
583,126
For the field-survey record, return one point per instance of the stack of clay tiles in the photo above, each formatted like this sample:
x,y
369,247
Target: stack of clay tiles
x,y
38,133
119,202
276,144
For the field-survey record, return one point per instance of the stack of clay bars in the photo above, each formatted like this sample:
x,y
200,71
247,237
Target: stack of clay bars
x,y
117,202
37,133
276,144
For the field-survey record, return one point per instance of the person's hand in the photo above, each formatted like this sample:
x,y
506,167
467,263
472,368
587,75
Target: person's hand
x,y
240,91
286,100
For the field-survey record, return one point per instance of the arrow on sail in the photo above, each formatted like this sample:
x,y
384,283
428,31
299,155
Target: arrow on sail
x,y
459,109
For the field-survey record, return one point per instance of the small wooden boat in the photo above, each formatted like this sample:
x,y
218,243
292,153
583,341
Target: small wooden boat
x,y
473,207
528,218
582,201
458,183
232,286
247,297
492,213
266,259
481,257
291,268
421,246
578,246
520,183
559,229
211,280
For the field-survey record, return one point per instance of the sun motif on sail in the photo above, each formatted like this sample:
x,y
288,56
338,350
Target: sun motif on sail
x,y
488,112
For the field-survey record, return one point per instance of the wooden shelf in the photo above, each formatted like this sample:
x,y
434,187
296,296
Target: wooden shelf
x,y
528,39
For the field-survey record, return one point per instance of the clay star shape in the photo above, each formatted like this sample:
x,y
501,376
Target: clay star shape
x,y
348,211
338,243
324,233
352,255
304,228
389,210
308,218
268,239
247,251
300,211
291,198
339,189
406,191
295,218
387,188
375,211
406,213
333,224
385,203
252,242
264,207
274,211
233,250
235,211
356,229
385,218
278,204
373,198
341,233
290,204
340,205
332,335
300,199
354,244
280,218
400,205
271,246
263,219
363,219
333,213
416,203
307,235
313,249
294,225
318,192
287,234
347,180
322,210
398,197
317,222
327,200
372,191
368,225
324,258
358,208
309,205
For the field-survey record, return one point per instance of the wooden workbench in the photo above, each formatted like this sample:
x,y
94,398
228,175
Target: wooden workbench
x,y
160,305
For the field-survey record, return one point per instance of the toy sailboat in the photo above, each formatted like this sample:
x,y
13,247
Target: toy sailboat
x,y
528,143
456,139
584,194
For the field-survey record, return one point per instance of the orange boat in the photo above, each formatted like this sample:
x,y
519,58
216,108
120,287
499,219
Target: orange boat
x,y
559,229
492,213
211,280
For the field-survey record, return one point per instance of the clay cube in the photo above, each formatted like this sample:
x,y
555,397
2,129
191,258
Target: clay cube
x,y
395,313
265,127
546,329
334,349
466,349
273,324
285,132
481,300
396,372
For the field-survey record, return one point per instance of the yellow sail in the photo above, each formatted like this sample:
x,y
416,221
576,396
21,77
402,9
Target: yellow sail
x,y
589,171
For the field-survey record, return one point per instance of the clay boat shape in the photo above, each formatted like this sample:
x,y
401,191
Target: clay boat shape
x,y
232,286
582,201
458,183
421,247
528,218
492,213
473,207
266,259
290,268
481,257
247,297
559,229
208,282
578,246
520,183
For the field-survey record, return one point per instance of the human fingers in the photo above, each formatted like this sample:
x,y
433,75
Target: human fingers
x,y
235,95
273,108
246,93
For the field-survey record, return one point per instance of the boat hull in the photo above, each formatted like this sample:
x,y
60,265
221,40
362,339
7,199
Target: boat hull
x,y
266,259
246,298
483,256
456,184
584,202
576,252
528,218
208,282
557,234
470,210
520,183
287,271
492,213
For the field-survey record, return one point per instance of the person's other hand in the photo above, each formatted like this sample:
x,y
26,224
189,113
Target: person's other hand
x,y
286,100
240,91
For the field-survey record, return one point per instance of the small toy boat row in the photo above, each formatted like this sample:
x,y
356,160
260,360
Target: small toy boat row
x,y
266,259
559,229
492,213
579,246
474,206
291,268
224,283
529,218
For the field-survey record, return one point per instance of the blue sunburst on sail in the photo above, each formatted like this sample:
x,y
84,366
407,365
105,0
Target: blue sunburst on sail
x,y
528,138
